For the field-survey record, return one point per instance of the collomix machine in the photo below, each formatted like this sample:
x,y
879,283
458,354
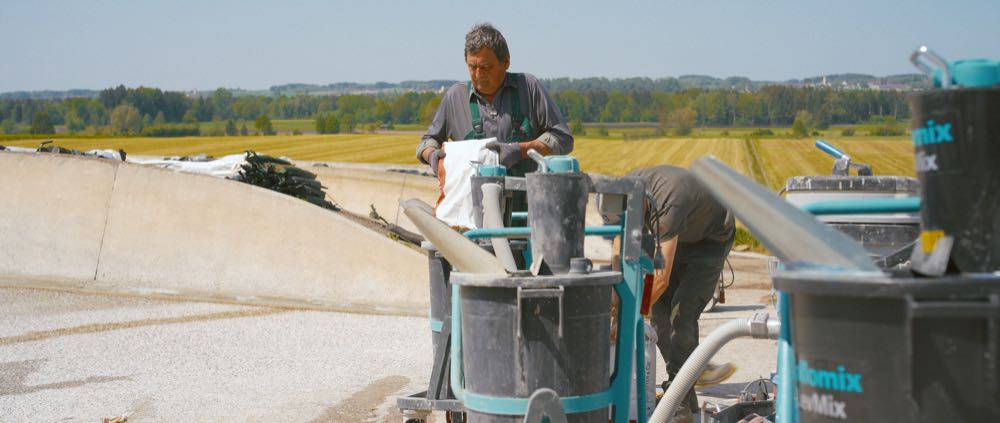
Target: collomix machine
x,y
919,343
857,340
532,339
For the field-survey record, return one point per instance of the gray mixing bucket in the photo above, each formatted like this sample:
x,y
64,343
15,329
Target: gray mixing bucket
x,y
873,348
520,334
558,206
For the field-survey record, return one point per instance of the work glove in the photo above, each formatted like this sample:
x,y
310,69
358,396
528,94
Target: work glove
x,y
509,152
434,158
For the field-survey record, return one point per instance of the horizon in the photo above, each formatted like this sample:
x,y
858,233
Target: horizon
x,y
776,82
186,45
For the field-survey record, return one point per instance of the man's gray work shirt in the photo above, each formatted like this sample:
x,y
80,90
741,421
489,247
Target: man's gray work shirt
x,y
686,208
453,120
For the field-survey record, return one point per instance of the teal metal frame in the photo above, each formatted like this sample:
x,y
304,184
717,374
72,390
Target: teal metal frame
x,y
869,206
629,291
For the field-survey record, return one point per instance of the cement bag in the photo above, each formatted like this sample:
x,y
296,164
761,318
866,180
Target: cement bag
x,y
454,205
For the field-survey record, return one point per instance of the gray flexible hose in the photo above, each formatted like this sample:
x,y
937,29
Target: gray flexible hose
x,y
758,326
493,219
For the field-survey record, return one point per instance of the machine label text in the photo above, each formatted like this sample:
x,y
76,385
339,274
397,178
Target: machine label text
x,y
838,380
824,405
933,133
926,162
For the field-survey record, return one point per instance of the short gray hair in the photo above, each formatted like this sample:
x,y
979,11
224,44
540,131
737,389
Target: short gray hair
x,y
485,35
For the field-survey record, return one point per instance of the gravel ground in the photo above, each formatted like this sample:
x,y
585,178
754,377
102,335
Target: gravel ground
x,y
72,357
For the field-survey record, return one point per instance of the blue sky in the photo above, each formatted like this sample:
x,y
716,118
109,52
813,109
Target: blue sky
x,y
182,45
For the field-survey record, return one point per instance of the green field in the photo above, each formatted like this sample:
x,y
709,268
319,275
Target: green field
x,y
777,158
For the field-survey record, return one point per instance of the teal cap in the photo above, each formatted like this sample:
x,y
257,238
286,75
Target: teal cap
x,y
562,164
493,171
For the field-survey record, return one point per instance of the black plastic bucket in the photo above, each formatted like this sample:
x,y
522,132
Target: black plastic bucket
x,y
557,209
956,135
876,348
520,334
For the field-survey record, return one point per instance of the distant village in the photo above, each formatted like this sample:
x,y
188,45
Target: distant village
x,y
873,84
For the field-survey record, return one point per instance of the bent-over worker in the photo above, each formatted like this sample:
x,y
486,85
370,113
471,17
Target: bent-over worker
x,y
694,233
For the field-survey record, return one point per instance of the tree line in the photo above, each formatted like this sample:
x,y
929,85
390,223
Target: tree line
x,y
133,111
122,110
773,105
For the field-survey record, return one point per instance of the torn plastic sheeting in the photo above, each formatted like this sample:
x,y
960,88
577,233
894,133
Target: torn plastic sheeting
x,y
224,167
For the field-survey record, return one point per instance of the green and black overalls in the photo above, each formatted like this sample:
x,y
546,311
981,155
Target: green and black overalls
x,y
519,133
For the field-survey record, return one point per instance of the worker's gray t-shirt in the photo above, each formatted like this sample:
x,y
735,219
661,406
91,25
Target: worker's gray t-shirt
x,y
453,120
686,207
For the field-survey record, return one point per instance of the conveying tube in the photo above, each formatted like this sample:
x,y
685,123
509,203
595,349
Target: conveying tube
x,y
758,326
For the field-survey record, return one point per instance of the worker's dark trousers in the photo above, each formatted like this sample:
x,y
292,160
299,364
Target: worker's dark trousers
x,y
693,278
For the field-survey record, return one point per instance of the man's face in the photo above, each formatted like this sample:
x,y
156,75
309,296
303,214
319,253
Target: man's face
x,y
486,71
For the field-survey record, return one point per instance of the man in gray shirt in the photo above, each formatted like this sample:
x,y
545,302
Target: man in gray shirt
x,y
512,107
694,233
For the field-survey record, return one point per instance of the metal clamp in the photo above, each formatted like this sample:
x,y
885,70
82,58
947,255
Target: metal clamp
x,y
758,324
539,293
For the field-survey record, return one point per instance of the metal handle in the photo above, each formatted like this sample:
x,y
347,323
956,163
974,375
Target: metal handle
x,y
953,309
926,53
538,158
539,293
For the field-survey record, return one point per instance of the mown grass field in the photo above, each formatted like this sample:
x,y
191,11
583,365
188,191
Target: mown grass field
x,y
777,158
783,158
370,148
618,157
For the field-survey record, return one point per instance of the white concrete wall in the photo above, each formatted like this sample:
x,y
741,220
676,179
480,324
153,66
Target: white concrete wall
x,y
52,215
103,225
356,188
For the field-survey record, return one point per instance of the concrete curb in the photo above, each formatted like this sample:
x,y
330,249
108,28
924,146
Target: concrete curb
x,y
98,225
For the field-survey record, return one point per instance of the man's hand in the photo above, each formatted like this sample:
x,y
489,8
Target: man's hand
x,y
432,156
510,152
